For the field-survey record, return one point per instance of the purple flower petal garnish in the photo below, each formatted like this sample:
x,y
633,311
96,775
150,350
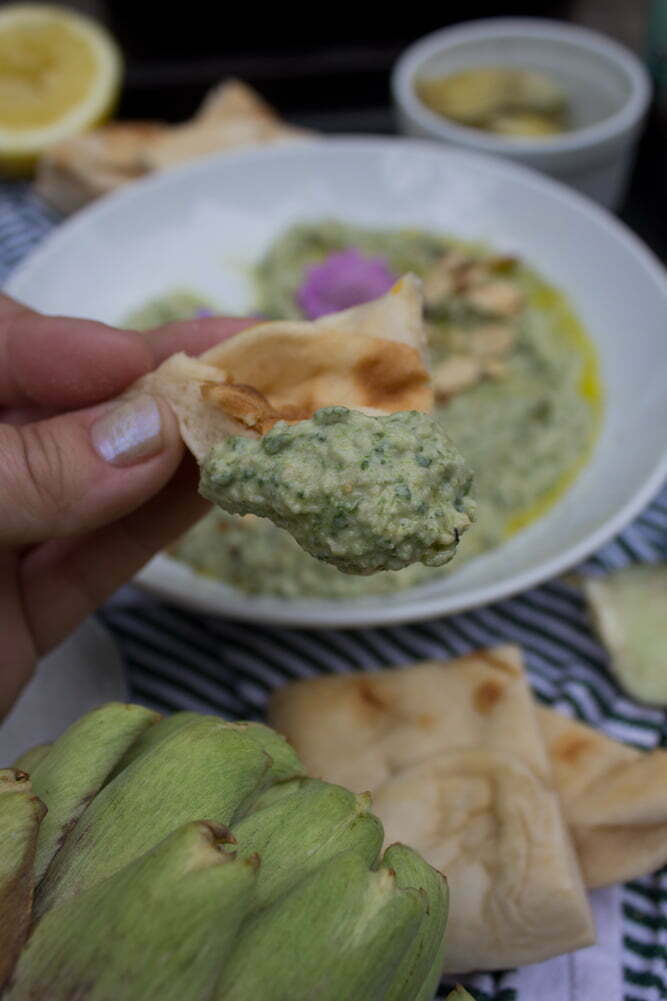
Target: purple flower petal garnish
x,y
201,313
346,278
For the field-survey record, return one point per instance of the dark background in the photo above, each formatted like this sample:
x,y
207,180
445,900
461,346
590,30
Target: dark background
x,y
327,66
337,58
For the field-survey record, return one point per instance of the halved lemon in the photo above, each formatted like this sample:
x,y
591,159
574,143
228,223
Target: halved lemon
x,y
60,73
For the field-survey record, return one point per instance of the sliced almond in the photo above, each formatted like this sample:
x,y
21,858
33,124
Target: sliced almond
x,y
498,298
492,340
471,275
495,369
438,285
457,373
452,273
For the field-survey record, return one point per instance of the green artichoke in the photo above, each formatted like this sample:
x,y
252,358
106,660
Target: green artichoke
x,y
191,859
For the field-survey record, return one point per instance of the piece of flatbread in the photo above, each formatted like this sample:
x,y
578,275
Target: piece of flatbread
x,y
454,758
371,358
360,730
629,611
614,799
231,117
75,171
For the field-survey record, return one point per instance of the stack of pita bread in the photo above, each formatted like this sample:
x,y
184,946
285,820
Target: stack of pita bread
x,y
520,807
76,171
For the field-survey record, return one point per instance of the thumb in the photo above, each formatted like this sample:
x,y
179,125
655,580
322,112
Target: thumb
x,y
73,473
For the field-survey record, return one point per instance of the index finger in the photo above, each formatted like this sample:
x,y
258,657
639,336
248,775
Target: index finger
x,y
61,363
194,336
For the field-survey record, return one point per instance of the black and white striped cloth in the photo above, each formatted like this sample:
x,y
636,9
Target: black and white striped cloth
x,y
179,660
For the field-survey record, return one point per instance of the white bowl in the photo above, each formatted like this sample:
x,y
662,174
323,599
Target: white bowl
x,y
607,88
203,225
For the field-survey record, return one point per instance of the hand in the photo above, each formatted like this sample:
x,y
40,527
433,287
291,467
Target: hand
x,y
90,489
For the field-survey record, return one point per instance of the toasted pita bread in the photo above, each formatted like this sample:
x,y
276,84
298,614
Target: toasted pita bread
x,y
396,316
76,171
232,116
629,611
234,99
453,756
194,390
288,370
614,800
495,830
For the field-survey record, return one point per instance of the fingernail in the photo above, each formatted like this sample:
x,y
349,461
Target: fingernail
x,y
130,432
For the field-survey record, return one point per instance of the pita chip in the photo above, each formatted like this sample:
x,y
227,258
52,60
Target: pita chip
x,y
370,358
614,799
629,611
231,117
454,758
75,171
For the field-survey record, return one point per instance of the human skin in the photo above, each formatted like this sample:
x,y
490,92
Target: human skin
x,y
90,488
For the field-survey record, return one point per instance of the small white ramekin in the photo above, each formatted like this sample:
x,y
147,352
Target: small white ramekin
x,y
607,87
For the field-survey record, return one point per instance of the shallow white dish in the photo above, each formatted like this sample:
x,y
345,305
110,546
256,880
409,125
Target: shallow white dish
x,y
202,226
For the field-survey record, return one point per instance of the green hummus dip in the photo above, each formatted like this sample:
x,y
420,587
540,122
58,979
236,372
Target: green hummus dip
x,y
525,428
359,492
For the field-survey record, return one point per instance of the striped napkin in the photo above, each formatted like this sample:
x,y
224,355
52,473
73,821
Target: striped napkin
x,y
178,660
